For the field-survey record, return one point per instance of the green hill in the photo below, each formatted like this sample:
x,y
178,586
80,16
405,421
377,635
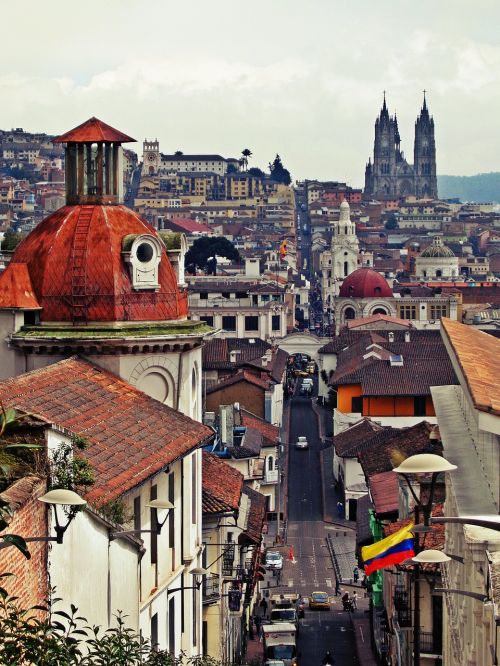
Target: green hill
x,y
481,188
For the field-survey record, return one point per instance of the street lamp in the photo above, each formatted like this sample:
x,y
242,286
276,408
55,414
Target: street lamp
x,y
198,574
156,505
62,497
421,463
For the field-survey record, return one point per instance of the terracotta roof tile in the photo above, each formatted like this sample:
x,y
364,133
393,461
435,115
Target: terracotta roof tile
x,y
93,130
222,485
347,442
256,516
244,376
131,436
356,323
16,290
396,446
269,432
479,357
384,490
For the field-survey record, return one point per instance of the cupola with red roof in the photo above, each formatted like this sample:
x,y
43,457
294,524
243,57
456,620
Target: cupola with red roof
x,y
365,283
94,260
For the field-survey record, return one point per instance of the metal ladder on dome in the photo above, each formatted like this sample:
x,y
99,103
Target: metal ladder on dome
x,y
79,298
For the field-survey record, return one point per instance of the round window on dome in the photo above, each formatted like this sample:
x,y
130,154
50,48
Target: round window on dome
x,y
145,252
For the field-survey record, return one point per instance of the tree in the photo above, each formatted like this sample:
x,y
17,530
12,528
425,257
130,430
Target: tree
x,y
12,239
231,168
391,222
278,172
45,636
255,171
246,152
178,153
204,250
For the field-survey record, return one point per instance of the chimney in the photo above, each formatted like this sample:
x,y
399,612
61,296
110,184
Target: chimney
x,y
407,336
391,336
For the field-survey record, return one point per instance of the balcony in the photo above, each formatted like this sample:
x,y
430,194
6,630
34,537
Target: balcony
x,y
431,643
271,476
211,589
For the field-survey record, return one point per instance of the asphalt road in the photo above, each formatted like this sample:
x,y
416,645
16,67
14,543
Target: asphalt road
x,y
313,569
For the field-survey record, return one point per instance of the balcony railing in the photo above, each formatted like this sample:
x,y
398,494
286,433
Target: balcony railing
x,y
211,588
271,476
431,643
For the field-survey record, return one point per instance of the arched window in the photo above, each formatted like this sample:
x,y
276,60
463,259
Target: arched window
x,y
349,314
346,229
346,268
381,311
439,273
270,463
377,291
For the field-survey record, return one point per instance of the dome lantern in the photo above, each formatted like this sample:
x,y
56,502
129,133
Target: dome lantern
x,y
93,158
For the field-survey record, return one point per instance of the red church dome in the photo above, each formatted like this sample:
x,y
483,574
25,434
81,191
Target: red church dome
x,y
365,283
100,263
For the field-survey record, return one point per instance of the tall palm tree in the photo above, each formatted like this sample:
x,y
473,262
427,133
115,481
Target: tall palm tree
x,y
246,154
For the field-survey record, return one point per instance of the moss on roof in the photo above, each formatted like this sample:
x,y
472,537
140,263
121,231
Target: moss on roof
x,y
167,329
171,239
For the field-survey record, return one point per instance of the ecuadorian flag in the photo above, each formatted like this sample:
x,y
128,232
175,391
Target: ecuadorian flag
x,y
393,549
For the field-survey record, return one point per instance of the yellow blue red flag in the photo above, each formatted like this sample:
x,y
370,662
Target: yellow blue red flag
x,y
393,549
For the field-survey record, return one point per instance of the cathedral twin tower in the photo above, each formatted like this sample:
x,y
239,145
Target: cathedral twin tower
x,y
390,175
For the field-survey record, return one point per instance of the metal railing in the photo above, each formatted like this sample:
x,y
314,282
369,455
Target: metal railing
x,y
431,643
211,588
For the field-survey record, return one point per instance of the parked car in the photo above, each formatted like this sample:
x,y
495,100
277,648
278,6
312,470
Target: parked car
x,y
319,601
302,442
274,560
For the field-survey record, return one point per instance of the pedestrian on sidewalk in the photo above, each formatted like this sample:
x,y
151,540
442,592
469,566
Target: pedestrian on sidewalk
x,y
263,605
340,509
337,587
354,600
355,574
257,622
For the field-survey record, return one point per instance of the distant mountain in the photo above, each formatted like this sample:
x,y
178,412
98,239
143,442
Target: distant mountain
x,y
482,188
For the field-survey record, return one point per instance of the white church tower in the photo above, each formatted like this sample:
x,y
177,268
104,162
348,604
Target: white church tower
x,y
343,256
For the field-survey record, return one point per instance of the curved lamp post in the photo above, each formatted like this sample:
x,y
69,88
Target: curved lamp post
x,y
198,574
53,498
156,505
422,463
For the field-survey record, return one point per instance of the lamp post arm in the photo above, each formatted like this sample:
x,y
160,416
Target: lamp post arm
x,y
179,589
464,593
490,522
410,488
43,539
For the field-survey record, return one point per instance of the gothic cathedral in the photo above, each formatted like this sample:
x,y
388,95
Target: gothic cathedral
x,y
390,175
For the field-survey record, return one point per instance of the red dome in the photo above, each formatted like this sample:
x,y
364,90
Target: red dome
x,y
77,261
365,283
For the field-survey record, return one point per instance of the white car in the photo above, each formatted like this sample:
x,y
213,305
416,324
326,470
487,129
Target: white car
x,y
274,560
301,443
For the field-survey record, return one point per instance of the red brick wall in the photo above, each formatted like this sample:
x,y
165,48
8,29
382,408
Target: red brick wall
x,y
30,581
249,396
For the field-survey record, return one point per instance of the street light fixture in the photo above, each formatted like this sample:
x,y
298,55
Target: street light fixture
x,y
198,573
422,463
156,505
62,497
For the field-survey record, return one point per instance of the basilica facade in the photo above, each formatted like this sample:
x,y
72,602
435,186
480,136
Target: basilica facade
x,y
390,174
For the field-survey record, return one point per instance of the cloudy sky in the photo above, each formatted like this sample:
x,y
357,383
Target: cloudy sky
x,y
301,78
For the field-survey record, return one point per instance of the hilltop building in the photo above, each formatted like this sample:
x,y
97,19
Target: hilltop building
x,y
390,174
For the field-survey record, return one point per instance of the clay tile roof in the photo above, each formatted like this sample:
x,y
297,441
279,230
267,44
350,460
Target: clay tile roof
x,y
355,323
131,436
222,485
244,376
256,516
16,290
269,432
478,355
346,442
384,490
396,446
93,130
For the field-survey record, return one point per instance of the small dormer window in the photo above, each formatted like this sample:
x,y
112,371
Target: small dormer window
x,y
144,258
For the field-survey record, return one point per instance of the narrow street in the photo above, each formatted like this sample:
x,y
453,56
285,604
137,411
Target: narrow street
x,y
313,568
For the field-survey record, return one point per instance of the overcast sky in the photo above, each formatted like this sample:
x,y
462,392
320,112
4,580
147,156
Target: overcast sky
x,y
300,78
